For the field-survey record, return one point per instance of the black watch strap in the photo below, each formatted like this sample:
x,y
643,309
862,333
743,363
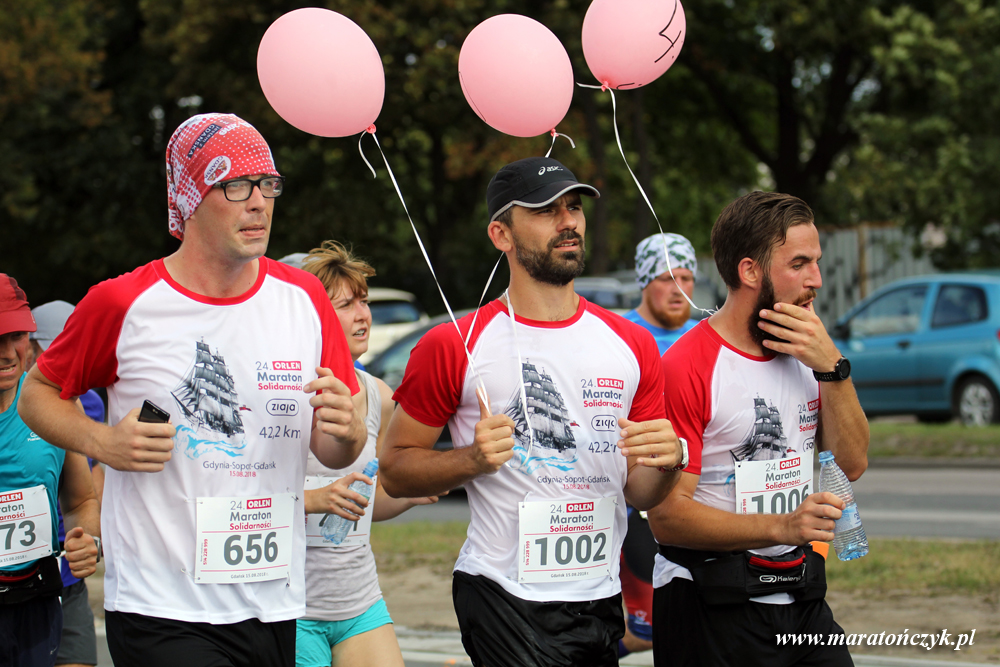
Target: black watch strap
x,y
840,372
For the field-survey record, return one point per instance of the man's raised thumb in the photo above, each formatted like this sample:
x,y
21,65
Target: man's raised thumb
x,y
484,410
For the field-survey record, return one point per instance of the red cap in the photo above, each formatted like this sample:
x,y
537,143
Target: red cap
x,y
15,314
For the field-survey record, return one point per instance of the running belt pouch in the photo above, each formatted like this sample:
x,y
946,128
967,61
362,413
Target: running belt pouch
x,y
775,574
39,580
815,586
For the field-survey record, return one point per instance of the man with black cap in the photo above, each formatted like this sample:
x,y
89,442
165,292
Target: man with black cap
x,y
247,359
32,474
556,409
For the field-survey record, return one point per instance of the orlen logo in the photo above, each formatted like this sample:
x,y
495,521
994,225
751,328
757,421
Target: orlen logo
x,y
603,423
282,407
258,503
286,365
11,497
545,169
579,507
788,463
814,405
611,383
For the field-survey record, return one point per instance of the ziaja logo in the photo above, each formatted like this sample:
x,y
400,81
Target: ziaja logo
x,y
543,170
282,407
789,463
579,507
611,383
258,503
287,365
603,423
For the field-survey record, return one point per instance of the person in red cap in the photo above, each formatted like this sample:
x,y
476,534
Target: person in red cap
x,y
223,368
32,472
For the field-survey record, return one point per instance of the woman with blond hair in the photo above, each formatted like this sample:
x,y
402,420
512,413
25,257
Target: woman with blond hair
x,y
346,620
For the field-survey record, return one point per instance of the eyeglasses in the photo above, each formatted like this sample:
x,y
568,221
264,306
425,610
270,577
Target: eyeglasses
x,y
240,189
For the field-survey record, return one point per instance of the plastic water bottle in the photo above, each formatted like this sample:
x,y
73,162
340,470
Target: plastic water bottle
x,y
335,528
849,538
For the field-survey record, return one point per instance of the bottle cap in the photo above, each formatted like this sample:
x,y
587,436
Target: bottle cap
x,y
825,456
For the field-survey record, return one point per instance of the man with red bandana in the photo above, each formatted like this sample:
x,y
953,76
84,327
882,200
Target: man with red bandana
x,y
202,515
755,389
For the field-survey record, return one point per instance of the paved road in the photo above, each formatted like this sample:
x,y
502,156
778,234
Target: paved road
x,y
894,502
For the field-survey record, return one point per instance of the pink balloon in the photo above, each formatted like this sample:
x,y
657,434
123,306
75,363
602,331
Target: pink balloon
x,y
629,43
321,72
516,75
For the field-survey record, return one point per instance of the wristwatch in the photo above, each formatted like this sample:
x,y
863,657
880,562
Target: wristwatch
x,y
841,371
100,550
684,458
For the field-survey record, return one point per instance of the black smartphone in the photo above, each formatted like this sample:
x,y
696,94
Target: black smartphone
x,y
153,414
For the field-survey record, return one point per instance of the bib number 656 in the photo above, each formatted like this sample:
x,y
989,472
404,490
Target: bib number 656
x,y
234,553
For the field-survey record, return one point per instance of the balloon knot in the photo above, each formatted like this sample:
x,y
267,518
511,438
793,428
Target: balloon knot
x,y
604,86
370,129
553,132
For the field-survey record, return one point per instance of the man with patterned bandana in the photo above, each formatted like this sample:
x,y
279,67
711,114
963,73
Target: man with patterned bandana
x,y
552,411
204,535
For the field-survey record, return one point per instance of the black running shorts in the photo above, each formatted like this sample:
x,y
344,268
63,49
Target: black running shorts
x,y
689,633
147,641
501,630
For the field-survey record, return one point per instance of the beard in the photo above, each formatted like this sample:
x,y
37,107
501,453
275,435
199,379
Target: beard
x,y
670,319
549,267
765,301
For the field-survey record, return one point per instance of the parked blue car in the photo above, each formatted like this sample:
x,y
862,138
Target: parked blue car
x,y
928,346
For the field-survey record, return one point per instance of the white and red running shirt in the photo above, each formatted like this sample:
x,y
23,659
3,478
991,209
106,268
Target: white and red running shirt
x,y
732,406
230,372
579,376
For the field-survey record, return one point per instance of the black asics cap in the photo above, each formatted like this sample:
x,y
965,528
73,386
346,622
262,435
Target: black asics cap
x,y
532,182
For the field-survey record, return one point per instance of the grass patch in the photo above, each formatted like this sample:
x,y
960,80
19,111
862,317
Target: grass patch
x,y
927,567
950,440
399,546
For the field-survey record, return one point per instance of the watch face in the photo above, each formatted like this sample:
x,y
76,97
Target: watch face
x,y
843,368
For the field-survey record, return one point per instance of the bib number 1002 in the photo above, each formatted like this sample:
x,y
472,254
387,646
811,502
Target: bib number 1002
x,y
565,551
235,554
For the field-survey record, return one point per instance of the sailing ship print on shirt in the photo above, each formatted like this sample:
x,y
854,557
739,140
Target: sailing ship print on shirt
x,y
211,409
766,438
543,433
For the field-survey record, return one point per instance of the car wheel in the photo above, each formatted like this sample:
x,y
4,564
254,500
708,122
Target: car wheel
x,y
977,402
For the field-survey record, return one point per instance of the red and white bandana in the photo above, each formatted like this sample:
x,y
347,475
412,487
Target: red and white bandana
x,y
204,150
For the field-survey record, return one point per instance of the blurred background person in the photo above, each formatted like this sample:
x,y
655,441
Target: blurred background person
x,y
346,621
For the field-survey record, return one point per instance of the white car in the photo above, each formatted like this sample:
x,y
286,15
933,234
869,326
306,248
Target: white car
x,y
395,313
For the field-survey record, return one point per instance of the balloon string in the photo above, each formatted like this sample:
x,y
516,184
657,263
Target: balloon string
x,y
556,135
472,328
481,388
520,377
666,252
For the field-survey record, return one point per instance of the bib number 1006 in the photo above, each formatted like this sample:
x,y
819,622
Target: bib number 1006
x,y
780,502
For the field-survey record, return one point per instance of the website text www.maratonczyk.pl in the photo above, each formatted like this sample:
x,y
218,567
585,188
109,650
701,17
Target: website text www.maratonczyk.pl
x,y
926,640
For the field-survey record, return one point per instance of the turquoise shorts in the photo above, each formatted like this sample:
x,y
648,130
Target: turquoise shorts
x,y
314,640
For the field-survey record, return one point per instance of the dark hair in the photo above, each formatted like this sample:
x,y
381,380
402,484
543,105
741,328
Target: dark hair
x,y
333,263
506,218
752,226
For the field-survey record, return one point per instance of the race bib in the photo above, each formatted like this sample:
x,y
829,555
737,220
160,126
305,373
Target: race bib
x,y
777,486
25,525
563,541
244,539
358,535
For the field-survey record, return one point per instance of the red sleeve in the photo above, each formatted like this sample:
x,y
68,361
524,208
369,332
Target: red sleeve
x,y
688,366
84,355
336,354
432,385
647,404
